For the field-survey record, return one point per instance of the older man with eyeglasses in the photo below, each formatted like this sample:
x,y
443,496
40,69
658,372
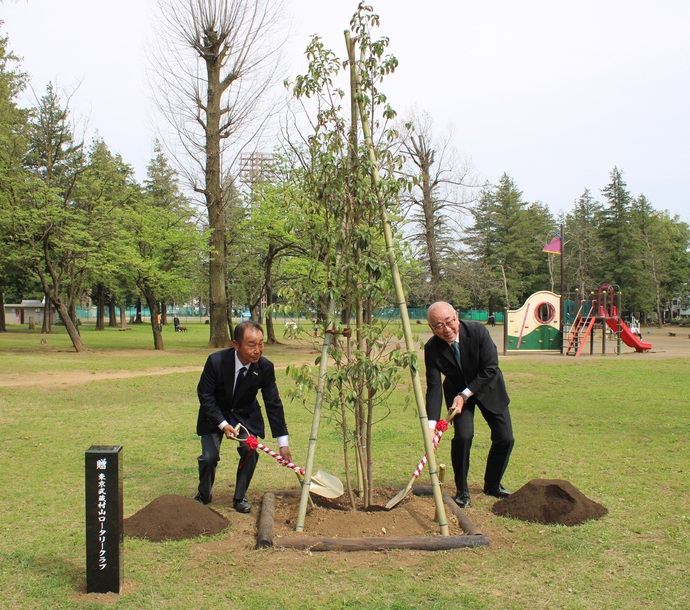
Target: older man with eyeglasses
x,y
464,354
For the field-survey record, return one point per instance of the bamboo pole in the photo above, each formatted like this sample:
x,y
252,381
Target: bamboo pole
x,y
316,421
401,300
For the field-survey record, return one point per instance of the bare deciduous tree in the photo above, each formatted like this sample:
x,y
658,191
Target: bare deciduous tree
x,y
443,188
216,62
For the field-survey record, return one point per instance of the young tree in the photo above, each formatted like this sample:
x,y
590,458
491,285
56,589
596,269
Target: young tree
x,y
218,62
348,270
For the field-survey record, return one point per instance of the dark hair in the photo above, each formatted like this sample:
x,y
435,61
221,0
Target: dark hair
x,y
240,329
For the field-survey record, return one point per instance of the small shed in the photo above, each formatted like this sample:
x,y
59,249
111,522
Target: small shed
x,y
25,312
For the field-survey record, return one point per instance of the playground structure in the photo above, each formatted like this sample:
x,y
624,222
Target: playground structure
x,y
536,326
603,310
546,322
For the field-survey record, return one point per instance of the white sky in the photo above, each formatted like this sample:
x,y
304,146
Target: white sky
x,y
554,93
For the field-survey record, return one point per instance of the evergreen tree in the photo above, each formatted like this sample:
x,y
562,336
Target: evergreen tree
x,y
50,225
583,250
106,186
660,245
13,123
620,266
164,245
507,239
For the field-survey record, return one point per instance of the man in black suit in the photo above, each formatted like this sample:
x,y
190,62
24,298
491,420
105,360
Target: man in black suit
x,y
464,353
227,393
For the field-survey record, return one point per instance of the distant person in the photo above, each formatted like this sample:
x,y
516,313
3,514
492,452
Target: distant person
x,y
290,330
227,392
176,323
635,328
492,319
463,353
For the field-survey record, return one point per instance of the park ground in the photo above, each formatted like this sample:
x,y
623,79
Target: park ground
x,y
614,426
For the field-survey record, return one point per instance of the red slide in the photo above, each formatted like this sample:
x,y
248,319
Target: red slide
x,y
627,335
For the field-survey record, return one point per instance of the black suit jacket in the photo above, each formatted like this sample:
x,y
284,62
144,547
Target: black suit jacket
x,y
480,372
217,403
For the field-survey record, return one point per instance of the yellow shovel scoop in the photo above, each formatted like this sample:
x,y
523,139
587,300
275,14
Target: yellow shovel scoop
x,y
437,437
321,483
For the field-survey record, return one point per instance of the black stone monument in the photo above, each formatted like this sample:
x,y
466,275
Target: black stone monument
x,y
104,530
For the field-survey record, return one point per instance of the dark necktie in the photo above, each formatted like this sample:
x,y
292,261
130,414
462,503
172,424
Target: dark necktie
x,y
456,350
240,378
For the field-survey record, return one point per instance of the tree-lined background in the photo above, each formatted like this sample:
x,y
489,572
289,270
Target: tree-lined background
x,y
253,204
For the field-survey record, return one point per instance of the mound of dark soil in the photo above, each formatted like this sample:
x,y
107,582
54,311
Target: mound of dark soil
x,y
174,517
549,501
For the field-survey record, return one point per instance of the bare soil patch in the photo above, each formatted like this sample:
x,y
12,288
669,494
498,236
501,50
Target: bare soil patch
x,y
414,516
173,517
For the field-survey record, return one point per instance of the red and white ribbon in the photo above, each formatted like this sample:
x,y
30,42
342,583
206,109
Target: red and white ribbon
x,y
253,443
441,427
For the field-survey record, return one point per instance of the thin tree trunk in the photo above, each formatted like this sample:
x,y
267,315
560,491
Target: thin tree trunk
x,y
231,327
123,315
270,330
152,302
100,307
505,286
72,309
112,313
3,326
63,312
47,326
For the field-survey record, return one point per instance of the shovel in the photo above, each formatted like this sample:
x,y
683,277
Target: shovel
x,y
438,433
321,483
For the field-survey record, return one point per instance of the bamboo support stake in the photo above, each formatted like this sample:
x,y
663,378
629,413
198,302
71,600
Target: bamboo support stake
x,y
316,420
401,300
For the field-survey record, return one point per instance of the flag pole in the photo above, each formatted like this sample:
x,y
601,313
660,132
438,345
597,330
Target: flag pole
x,y
562,286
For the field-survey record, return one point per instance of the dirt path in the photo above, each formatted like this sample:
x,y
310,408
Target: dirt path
x,y
55,379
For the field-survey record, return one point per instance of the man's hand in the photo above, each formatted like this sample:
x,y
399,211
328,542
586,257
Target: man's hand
x,y
285,453
458,404
230,432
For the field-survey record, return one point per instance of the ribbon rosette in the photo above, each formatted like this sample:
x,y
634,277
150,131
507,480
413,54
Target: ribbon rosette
x,y
252,442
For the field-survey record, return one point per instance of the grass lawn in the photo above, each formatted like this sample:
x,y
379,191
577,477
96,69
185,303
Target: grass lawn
x,y
618,429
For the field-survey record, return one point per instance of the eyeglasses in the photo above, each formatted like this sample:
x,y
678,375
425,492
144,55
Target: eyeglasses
x,y
447,323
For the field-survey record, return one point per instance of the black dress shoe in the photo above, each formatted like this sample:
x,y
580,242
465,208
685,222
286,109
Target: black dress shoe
x,y
462,499
242,506
497,492
201,500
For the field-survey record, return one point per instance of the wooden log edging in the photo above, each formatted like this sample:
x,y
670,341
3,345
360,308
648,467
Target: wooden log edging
x,y
264,534
265,531
379,543
464,521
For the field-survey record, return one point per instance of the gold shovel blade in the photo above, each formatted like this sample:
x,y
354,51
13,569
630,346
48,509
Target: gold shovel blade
x,y
400,496
326,485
